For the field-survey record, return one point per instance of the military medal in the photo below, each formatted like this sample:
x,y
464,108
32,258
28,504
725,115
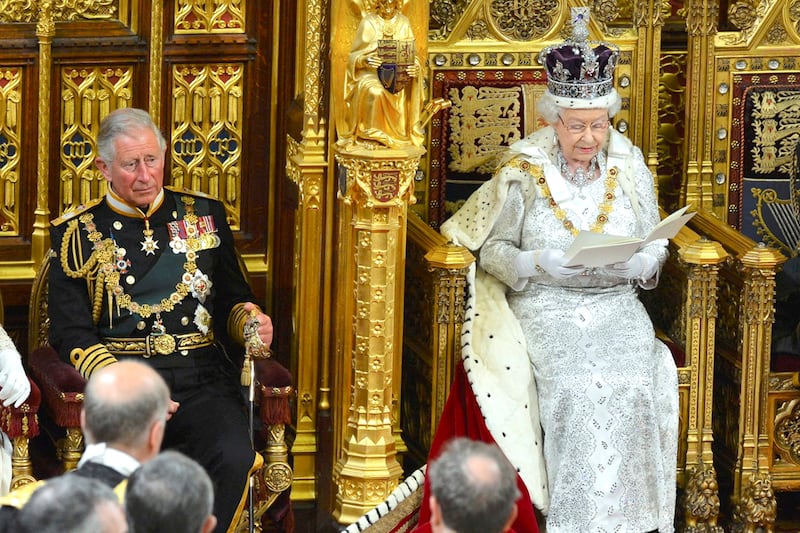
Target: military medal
x,y
149,245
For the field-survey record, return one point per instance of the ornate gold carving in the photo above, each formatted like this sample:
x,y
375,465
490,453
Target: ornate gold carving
x,y
701,19
777,34
524,21
702,500
206,137
209,16
71,448
17,11
21,465
444,16
87,96
743,14
69,10
10,149
605,11
787,431
361,165
758,508
278,477
28,11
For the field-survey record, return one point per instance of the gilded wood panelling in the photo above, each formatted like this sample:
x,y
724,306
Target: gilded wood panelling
x,y
11,103
87,94
206,131
209,16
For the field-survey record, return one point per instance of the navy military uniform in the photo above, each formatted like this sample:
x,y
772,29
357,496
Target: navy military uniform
x,y
164,286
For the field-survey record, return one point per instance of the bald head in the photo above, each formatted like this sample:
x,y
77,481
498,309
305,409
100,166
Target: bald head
x,y
473,488
121,403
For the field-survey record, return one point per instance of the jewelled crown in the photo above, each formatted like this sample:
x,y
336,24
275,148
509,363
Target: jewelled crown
x,y
579,68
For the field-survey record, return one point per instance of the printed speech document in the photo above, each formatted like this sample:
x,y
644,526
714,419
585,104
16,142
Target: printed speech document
x,y
598,249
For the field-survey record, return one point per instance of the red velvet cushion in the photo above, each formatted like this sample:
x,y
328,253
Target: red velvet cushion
x,y
62,386
274,384
22,421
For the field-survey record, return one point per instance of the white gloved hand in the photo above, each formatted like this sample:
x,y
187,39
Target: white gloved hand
x,y
551,260
640,266
14,384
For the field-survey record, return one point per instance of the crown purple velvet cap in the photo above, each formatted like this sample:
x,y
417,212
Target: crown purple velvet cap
x,y
580,72
575,70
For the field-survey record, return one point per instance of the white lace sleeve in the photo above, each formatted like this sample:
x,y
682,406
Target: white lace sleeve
x,y
499,252
5,341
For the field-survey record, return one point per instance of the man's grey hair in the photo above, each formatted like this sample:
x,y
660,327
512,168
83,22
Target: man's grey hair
x,y
169,493
124,420
66,504
550,110
475,485
122,122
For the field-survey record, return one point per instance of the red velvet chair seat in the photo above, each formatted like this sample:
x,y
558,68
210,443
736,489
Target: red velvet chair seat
x,y
62,386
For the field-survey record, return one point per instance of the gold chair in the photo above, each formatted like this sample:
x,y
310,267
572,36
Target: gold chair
x,y
62,390
755,405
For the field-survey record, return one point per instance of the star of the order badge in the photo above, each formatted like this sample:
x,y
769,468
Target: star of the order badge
x,y
149,246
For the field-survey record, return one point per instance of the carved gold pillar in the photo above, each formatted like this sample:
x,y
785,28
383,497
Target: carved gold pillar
x,y
450,264
704,258
307,166
701,24
757,308
376,187
156,55
45,30
649,22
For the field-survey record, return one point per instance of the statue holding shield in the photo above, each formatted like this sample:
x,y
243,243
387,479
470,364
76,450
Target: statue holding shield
x,y
383,93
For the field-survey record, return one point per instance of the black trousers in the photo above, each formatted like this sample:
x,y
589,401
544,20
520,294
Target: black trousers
x,y
211,427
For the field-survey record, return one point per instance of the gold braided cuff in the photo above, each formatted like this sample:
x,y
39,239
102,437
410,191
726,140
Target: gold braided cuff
x,y
92,358
236,321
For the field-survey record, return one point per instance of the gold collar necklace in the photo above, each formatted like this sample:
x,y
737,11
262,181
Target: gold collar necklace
x,y
604,209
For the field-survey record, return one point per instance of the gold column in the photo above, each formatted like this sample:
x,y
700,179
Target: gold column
x,y
307,167
156,54
377,186
704,258
701,24
650,20
45,30
450,265
757,308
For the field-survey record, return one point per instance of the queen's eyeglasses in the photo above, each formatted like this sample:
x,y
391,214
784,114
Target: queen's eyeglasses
x,y
577,128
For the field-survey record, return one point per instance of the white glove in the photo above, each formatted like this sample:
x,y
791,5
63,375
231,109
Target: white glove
x,y
640,266
549,260
14,384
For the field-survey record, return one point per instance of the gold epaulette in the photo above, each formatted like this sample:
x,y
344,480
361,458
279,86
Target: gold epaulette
x,y
75,211
190,192
18,497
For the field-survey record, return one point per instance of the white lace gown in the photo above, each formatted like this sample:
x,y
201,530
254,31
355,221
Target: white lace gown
x,y
607,388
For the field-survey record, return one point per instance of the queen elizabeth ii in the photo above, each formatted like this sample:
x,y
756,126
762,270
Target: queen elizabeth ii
x,y
575,340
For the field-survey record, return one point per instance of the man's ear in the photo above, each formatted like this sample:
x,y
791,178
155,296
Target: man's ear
x,y
156,435
436,510
83,421
511,518
209,524
102,166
